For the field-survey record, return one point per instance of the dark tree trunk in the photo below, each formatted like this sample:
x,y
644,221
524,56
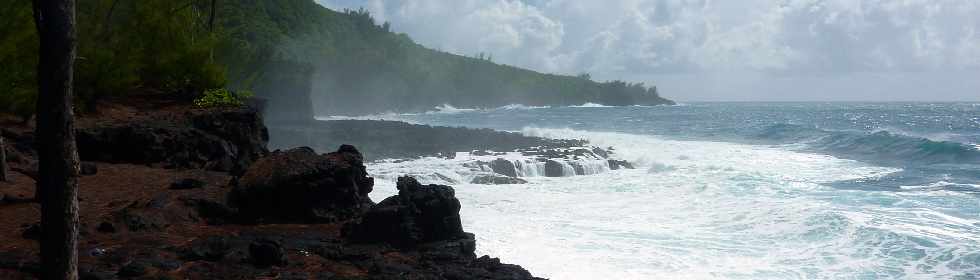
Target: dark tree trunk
x,y
57,185
3,161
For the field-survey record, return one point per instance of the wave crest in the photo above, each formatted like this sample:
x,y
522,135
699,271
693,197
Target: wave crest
x,y
879,145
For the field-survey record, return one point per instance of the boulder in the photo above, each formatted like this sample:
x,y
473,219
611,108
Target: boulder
x,y
242,129
212,249
553,168
600,152
300,186
497,180
504,167
266,253
418,214
165,210
619,164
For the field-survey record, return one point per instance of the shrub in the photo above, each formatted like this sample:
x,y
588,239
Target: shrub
x,y
221,97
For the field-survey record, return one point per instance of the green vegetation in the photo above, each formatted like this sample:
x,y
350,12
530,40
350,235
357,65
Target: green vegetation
x,y
159,45
214,98
285,51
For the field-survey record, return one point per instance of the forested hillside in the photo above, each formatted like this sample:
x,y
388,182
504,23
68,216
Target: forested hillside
x,y
283,50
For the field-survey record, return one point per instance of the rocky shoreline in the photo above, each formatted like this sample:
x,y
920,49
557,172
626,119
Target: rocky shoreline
x,y
400,140
195,194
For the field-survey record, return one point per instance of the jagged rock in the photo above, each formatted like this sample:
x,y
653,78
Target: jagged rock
x,y
503,167
266,253
162,211
497,180
300,186
481,153
221,141
212,249
243,129
553,169
486,267
418,214
187,184
583,153
619,164
600,152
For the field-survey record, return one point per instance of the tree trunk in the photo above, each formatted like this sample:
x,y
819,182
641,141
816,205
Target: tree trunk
x,y
57,185
3,161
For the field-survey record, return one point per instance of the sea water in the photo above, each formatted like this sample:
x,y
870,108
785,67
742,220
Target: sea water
x,y
732,191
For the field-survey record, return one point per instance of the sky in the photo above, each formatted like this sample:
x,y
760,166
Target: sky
x,y
718,50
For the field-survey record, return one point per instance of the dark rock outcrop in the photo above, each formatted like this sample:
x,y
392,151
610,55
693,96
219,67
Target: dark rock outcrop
x,y
619,164
503,167
418,214
266,253
299,185
155,214
497,180
553,169
221,141
391,139
243,129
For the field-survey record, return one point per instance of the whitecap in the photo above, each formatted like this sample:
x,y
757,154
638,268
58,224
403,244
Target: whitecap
x,y
591,105
521,107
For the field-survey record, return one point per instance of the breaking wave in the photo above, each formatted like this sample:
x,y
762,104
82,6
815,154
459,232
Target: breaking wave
x,y
882,145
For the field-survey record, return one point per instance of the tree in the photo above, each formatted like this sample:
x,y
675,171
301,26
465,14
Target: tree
x,y
57,185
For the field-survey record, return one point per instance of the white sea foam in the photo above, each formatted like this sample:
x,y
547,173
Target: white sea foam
x,y
711,210
389,116
591,105
449,109
521,107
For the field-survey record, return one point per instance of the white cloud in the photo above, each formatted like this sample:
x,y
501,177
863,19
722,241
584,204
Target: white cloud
x,y
647,38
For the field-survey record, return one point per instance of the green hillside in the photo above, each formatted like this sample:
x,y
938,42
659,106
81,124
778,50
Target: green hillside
x,y
284,51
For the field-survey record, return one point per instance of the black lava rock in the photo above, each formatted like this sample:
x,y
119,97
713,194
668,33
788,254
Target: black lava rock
x,y
300,186
497,180
503,167
418,214
553,169
266,253
619,164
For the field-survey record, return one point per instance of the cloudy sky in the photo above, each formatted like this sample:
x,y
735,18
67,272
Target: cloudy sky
x,y
695,50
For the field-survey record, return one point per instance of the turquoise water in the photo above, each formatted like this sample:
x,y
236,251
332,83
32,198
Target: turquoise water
x,y
735,191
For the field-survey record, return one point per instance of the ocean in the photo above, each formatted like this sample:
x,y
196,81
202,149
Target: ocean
x,y
730,191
